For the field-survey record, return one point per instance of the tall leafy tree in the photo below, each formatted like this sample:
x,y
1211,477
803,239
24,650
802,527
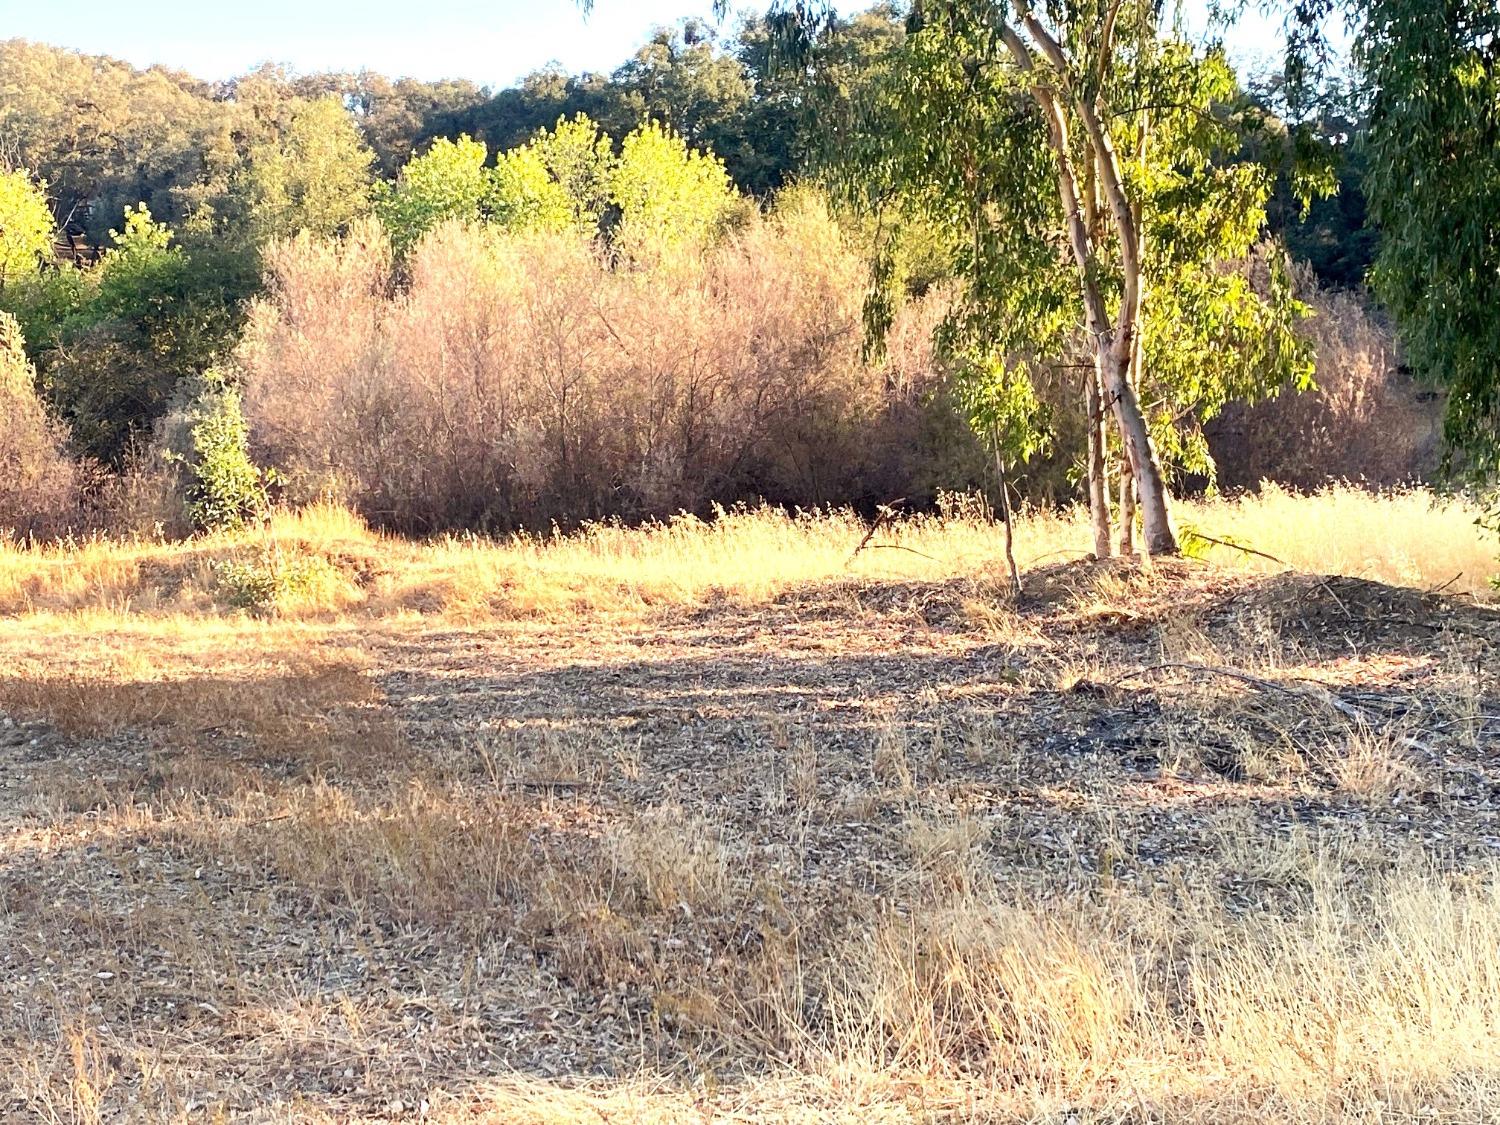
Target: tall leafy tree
x,y
1429,76
1078,152
316,176
25,228
448,181
669,196
1432,68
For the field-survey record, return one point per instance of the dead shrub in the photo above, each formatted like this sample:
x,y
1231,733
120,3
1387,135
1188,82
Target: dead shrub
x,y
514,381
39,482
1365,421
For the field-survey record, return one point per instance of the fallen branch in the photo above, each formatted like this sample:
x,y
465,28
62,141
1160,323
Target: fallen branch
x,y
1238,547
899,547
885,513
1445,585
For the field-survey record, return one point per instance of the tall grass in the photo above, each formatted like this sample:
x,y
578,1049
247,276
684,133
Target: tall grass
x,y
324,561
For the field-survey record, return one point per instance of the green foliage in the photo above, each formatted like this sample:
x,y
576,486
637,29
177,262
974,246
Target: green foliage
x,y
101,133
112,342
1433,179
524,195
669,196
137,272
25,228
267,581
226,489
1317,206
580,157
448,181
315,177
656,195
948,134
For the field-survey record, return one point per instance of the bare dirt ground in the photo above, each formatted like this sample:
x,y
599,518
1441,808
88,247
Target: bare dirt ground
x,y
408,869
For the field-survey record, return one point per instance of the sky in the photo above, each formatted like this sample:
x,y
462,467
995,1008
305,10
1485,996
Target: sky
x,y
491,42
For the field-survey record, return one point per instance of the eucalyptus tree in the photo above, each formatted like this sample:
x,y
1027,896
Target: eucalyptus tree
x,y
1072,149
1432,70
1082,153
1428,73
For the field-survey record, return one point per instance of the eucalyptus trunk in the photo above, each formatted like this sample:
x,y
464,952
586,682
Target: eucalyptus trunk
x,y
1150,486
1127,477
1098,488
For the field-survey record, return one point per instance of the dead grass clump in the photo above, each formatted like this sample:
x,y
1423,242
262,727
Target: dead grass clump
x,y
1374,765
670,860
417,855
1376,993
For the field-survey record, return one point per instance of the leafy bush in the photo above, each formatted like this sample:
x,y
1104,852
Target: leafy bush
x,y
272,581
207,436
111,343
656,195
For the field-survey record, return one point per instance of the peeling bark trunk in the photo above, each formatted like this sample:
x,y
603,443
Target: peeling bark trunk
x,y
1097,488
1151,489
1127,478
1113,343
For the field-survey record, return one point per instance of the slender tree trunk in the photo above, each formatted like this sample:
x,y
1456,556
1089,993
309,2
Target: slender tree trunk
x,y
1010,531
1127,478
1097,487
1113,343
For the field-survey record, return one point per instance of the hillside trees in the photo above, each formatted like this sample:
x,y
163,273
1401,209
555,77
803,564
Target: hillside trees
x,y
315,176
102,134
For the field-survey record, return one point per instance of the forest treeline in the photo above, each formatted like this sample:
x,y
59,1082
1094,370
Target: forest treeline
x,y
584,296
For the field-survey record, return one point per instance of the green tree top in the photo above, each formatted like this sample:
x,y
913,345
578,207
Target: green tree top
x,y
25,228
669,196
315,177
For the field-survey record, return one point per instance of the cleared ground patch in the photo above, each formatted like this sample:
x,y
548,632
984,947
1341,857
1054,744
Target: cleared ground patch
x,y
570,832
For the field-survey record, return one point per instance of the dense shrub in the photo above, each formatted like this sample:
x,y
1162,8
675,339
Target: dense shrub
x,y
1365,421
38,481
521,378
112,342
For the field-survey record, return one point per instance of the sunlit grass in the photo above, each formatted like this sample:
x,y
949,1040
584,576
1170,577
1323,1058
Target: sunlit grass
x,y
1410,538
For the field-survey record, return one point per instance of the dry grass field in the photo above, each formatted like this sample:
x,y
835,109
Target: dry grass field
x,y
715,822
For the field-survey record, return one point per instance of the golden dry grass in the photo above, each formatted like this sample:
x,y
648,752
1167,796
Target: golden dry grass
x,y
706,822
330,565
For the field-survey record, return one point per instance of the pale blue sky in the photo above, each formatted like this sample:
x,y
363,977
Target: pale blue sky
x,y
492,42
